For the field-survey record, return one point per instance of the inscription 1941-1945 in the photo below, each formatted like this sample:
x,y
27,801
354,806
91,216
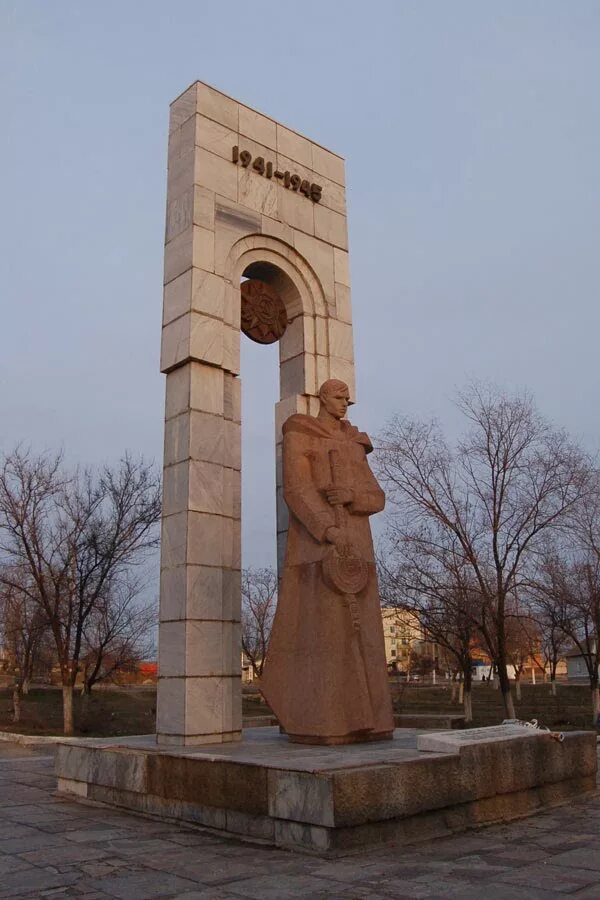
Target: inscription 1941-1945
x,y
288,179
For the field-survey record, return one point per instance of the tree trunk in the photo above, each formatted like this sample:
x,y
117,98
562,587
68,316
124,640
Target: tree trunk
x,y
518,687
454,690
16,704
553,685
467,680
595,703
68,723
26,684
468,705
461,691
504,682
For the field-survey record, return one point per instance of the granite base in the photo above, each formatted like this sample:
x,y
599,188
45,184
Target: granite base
x,y
333,800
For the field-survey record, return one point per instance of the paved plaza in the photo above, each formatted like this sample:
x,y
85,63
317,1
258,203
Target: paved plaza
x,y
51,847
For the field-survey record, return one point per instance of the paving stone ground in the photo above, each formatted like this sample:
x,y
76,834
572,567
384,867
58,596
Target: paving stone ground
x,y
51,847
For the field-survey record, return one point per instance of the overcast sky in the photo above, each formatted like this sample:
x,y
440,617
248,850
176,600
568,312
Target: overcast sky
x,y
471,132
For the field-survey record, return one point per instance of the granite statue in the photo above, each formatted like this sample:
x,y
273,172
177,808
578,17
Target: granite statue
x,y
325,675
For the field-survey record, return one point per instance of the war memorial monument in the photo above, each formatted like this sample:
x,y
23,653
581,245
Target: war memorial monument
x,y
256,242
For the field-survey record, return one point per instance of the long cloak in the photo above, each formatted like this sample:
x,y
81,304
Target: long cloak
x,y
325,679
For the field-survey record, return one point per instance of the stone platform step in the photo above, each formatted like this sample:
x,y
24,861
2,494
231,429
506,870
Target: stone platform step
x,y
334,800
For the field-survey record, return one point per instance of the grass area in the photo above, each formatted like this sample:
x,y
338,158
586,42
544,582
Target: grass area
x,y
133,711
570,709
105,713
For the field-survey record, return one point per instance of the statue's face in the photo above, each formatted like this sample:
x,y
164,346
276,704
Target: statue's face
x,y
336,402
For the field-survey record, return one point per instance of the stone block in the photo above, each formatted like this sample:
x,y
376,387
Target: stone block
x,y
232,493
215,105
69,786
233,445
217,174
176,488
206,437
205,539
204,207
173,541
206,487
213,648
341,266
231,350
173,594
340,340
171,649
206,338
207,293
177,392
232,703
257,127
299,337
232,594
288,406
178,255
123,770
233,221
204,649
73,762
206,594
278,230
204,706
236,544
297,211
177,439
330,226
322,341
344,370
257,192
180,176
328,164
180,214
319,256
177,297
301,797
212,136
175,344
322,370
183,107
260,828
294,146
343,303
170,711
297,375
232,398
333,195
206,388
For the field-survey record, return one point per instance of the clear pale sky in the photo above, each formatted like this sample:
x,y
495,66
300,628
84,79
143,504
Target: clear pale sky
x,y
471,132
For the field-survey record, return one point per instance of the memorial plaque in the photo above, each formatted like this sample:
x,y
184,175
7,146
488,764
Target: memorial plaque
x,y
451,741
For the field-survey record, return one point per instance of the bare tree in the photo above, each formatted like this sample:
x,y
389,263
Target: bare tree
x,y
554,643
509,481
259,599
72,533
568,593
118,633
438,588
22,628
522,641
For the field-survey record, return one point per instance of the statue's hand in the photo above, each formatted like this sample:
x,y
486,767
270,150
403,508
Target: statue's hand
x,y
339,496
337,537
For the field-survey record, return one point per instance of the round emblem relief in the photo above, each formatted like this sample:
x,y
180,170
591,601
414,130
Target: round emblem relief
x,y
264,317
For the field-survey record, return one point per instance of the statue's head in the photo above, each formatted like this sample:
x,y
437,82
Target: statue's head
x,y
335,398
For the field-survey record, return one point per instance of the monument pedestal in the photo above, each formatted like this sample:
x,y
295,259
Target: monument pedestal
x,y
333,800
